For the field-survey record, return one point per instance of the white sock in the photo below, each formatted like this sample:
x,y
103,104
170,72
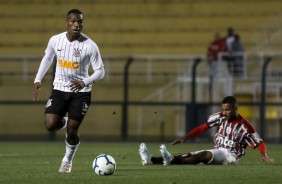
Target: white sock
x,y
70,152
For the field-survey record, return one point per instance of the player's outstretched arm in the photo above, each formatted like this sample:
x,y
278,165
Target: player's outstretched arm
x,y
36,89
179,140
193,133
263,155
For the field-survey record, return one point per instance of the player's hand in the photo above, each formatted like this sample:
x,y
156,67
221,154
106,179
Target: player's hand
x,y
77,85
36,89
265,158
179,140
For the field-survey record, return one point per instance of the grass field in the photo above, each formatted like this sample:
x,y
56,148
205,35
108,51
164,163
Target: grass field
x,y
38,162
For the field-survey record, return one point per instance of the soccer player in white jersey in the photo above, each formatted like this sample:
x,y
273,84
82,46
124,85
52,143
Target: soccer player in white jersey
x,y
72,84
233,134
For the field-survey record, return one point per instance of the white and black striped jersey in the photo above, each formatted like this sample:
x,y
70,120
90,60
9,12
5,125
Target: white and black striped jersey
x,y
234,135
73,60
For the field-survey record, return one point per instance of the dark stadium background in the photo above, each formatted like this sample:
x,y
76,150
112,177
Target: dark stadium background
x,y
157,82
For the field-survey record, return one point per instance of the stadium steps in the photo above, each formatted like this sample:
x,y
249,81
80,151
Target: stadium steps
x,y
119,28
137,8
173,27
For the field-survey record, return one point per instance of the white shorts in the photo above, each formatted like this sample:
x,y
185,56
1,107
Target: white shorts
x,y
221,156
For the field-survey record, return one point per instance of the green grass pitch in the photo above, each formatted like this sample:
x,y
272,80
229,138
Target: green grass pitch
x,y
38,162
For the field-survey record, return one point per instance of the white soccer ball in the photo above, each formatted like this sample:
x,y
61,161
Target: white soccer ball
x,y
104,165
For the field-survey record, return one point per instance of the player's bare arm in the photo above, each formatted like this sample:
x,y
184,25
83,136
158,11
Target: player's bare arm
x,y
36,89
77,85
179,140
265,158
193,133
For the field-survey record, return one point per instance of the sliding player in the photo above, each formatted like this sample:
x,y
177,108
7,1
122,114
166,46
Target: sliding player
x,y
233,134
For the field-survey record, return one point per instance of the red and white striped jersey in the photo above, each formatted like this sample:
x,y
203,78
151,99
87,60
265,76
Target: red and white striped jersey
x,y
73,60
235,134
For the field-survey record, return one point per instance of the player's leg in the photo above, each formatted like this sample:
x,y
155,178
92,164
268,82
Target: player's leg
x,y
78,106
72,142
157,160
202,157
189,158
219,156
55,111
213,156
179,160
167,158
193,158
54,122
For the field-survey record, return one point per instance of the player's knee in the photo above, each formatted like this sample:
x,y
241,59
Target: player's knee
x,y
50,125
51,122
206,156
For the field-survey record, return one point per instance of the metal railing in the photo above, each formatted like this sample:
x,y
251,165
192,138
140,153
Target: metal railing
x,y
189,90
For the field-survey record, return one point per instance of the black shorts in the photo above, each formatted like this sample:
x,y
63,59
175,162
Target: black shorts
x,y
75,104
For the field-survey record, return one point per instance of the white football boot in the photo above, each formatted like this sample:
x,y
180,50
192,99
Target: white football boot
x,y
166,155
144,154
65,167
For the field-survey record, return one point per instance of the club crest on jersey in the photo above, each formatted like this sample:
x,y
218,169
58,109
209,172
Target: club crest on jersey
x,y
76,52
228,130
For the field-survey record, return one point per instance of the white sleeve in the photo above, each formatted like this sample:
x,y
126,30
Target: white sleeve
x,y
97,75
97,65
45,62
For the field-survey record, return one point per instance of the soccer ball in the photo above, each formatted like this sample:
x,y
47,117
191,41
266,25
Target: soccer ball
x,y
104,165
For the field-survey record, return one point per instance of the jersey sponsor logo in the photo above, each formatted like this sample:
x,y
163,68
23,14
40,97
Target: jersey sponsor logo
x,y
68,64
76,52
224,141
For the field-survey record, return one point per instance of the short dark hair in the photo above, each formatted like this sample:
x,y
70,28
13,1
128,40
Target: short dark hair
x,y
230,100
76,11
